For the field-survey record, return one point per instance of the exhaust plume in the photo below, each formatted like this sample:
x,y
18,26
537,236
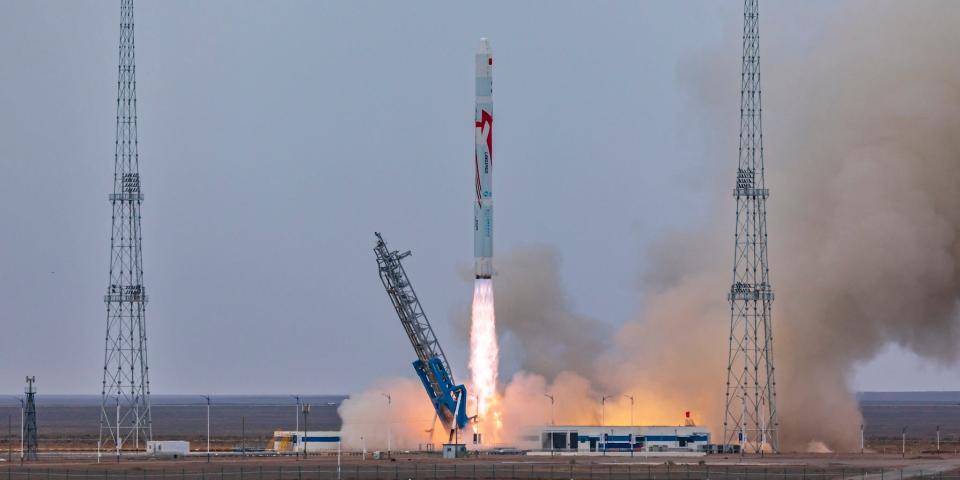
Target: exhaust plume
x,y
534,308
484,353
408,420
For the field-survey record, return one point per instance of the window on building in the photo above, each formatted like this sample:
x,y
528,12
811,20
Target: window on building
x,y
559,441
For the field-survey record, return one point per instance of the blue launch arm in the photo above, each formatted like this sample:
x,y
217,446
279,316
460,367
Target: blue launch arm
x,y
447,397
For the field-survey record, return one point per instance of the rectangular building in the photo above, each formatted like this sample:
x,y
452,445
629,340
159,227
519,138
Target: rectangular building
x,y
168,448
603,439
312,441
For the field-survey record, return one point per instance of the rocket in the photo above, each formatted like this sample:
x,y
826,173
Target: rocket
x,y
483,164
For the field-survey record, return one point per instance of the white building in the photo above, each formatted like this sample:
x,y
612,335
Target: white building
x,y
314,441
606,439
168,448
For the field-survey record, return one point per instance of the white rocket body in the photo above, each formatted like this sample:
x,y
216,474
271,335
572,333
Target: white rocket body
x,y
483,164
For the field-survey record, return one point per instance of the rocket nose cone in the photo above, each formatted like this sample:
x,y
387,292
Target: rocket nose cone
x,y
484,46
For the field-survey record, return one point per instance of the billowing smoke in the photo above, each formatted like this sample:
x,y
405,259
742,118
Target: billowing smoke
x,y
532,305
863,162
403,423
863,157
868,197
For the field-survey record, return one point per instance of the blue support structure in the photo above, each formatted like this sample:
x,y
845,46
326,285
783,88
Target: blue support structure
x,y
447,397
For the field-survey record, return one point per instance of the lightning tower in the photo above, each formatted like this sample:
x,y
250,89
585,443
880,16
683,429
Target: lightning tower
x,y
30,422
750,413
125,405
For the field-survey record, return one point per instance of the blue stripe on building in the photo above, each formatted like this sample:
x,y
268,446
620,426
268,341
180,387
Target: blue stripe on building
x,y
322,439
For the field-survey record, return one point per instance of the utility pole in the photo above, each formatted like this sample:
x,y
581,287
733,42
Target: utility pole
x,y
208,426
550,396
306,429
750,410
125,371
389,424
603,409
243,436
861,439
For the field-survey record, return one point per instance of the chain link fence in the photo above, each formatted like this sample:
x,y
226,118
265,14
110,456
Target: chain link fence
x,y
469,471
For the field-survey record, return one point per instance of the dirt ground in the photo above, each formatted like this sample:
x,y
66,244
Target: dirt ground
x,y
429,466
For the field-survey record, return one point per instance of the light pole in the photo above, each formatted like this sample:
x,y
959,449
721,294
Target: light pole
x,y
603,409
477,435
22,408
389,423
631,408
903,442
339,441
296,412
208,426
551,407
306,411
938,438
861,439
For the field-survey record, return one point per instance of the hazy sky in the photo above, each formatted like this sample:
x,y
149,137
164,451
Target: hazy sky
x,y
276,137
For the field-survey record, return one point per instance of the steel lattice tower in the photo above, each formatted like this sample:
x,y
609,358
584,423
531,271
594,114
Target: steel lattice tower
x,y
750,413
125,407
30,422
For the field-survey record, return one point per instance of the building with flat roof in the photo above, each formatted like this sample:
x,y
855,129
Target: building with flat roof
x,y
312,441
598,439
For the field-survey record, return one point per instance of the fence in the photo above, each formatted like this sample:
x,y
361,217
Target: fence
x,y
483,471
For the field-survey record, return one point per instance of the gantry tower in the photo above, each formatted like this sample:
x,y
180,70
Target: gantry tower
x,y
750,413
125,406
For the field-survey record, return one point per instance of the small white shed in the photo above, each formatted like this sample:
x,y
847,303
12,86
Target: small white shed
x,y
168,448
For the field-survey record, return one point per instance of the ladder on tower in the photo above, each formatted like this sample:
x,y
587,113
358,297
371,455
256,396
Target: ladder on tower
x,y
447,397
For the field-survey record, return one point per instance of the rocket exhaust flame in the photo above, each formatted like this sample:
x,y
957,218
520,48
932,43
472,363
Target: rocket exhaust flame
x,y
484,352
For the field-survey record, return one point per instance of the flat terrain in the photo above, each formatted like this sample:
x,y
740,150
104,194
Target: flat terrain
x,y
72,421
69,425
422,466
